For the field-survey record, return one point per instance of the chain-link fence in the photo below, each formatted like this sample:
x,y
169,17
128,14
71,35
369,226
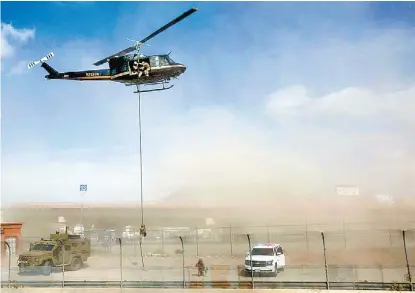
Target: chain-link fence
x,y
348,255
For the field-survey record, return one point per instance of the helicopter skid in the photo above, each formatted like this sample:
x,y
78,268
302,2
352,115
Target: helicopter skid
x,y
154,90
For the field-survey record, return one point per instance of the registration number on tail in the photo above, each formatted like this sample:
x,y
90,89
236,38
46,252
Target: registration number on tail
x,y
92,74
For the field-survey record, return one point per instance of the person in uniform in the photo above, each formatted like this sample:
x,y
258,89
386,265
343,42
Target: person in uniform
x,y
135,67
143,232
144,68
200,267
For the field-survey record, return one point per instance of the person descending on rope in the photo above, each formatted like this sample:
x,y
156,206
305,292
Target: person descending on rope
x,y
143,232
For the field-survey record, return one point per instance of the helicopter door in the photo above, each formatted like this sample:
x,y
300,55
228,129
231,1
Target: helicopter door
x,y
118,65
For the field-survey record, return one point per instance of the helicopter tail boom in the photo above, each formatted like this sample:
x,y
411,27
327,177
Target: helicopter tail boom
x,y
50,69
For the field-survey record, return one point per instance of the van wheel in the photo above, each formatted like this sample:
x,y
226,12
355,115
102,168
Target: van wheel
x,y
46,269
76,264
275,273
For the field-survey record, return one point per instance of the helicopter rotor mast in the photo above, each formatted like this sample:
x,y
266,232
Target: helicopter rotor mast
x,y
138,44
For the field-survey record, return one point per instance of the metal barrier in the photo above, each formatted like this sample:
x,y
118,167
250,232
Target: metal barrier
x,y
235,284
400,240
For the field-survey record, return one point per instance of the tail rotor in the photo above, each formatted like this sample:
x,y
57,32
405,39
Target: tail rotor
x,y
42,60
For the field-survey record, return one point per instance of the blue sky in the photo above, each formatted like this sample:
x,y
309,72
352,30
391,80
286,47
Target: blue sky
x,y
275,93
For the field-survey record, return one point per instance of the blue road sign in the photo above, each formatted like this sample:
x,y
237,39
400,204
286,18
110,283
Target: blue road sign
x,y
83,187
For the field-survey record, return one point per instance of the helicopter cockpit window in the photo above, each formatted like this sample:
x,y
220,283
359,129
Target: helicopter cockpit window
x,y
154,61
163,61
170,60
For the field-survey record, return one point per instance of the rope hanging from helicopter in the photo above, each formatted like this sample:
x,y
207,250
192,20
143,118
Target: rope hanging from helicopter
x,y
143,232
136,47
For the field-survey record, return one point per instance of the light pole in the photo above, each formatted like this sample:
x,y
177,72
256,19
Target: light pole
x,y
250,260
184,278
407,261
325,261
82,189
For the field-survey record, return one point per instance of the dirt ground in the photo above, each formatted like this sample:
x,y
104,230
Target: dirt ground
x,y
357,232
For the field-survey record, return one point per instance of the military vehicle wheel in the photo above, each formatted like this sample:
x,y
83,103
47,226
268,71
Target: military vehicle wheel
x,y
46,269
76,264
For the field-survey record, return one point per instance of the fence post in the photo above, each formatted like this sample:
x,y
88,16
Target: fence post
x,y
344,236
381,273
407,261
63,260
306,236
356,273
162,240
268,234
10,256
197,241
183,268
390,238
120,243
135,242
230,238
325,261
188,274
250,261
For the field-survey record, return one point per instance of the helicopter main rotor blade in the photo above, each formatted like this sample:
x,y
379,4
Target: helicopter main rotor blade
x,y
140,43
121,53
171,23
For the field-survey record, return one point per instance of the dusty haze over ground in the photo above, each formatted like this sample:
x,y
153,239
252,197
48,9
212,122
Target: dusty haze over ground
x,y
327,212
358,232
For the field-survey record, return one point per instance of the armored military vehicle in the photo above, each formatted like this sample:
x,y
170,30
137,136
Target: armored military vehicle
x,y
60,249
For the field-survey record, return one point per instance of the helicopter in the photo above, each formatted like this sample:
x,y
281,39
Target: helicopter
x,y
130,69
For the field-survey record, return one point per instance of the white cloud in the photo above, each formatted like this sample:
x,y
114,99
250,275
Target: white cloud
x,y
208,151
373,106
19,68
12,37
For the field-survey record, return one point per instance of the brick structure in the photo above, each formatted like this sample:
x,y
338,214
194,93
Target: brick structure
x,y
12,233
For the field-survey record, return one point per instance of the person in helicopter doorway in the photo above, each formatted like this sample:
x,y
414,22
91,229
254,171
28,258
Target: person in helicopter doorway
x,y
135,67
201,269
144,68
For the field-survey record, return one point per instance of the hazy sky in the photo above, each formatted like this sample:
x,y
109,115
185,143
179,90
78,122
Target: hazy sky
x,y
285,98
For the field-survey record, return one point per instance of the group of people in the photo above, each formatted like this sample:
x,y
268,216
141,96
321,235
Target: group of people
x,y
141,67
